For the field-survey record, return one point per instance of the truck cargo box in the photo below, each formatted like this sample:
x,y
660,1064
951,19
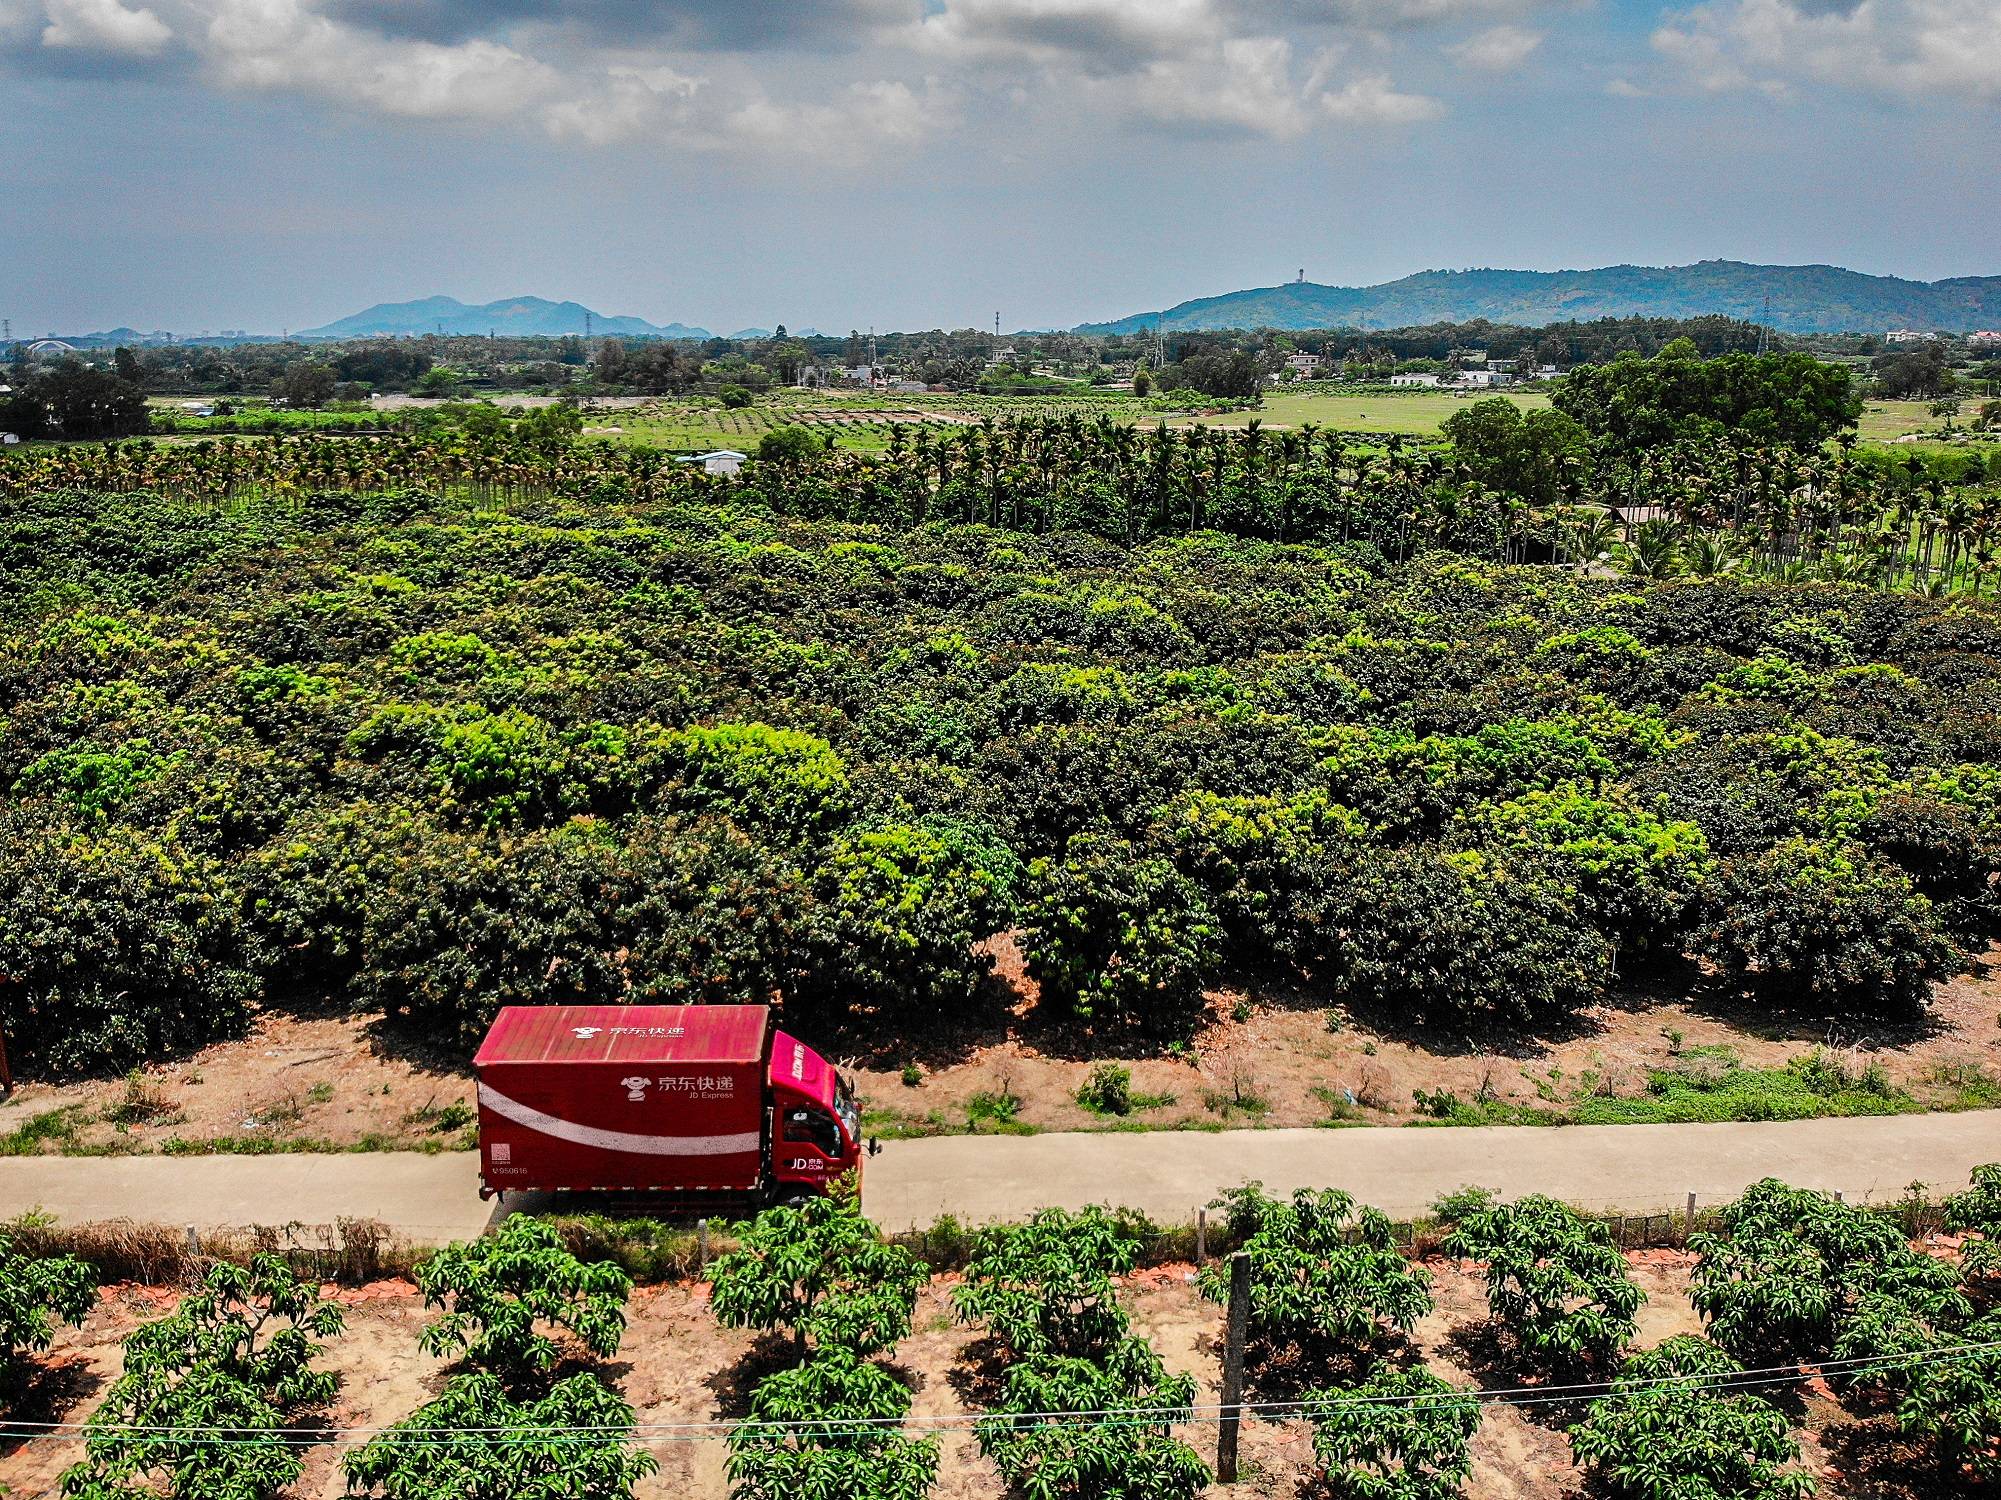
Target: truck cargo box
x,y
649,1098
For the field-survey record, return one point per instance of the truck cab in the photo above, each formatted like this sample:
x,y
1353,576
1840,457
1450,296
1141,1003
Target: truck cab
x,y
817,1134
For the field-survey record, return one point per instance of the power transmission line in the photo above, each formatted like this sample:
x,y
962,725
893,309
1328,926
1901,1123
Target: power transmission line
x,y
687,1432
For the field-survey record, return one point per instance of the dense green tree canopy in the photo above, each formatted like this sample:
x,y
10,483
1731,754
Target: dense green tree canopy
x,y
393,751
1633,404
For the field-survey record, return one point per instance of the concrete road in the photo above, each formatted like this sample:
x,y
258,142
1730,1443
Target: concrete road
x,y
1167,1174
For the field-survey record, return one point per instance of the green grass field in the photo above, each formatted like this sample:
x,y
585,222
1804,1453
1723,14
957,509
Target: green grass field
x,y
689,428
860,421
1415,414
1882,420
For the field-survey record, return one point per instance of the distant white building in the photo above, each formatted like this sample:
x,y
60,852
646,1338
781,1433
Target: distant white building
x,y
1986,338
861,374
1429,380
1909,336
1305,366
1486,378
722,461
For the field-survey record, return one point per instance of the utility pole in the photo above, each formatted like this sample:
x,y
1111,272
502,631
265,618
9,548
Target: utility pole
x,y
1231,1412
1765,327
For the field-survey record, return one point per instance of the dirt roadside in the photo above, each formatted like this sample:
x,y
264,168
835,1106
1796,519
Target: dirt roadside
x,y
346,1082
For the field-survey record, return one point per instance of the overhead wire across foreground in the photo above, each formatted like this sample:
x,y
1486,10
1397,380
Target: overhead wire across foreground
x,y
647,1434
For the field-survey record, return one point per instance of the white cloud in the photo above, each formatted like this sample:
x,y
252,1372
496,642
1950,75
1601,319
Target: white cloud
x,y
1243,85
1499,49
284,45
1204,65
688,74
1400,15
631,102
865,115
1375,101
1913,48
105,26
1094,36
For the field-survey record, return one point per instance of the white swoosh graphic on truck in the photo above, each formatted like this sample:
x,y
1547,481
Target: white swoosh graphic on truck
x,y
617,1140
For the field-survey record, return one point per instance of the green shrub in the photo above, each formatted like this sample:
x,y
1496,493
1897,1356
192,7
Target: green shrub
x,y
821,1271
1556,1285
1327,1279
36,1293
1826,922
1427,937
1108,1091
897,913
497,1289
575,1440
1397,1435
1788,1268
1045,1288
237,1354
1668,1431
1116,935
116,949
1067,1451
840,1438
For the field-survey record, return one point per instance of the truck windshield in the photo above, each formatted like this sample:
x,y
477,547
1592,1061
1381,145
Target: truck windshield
x,y
844,1106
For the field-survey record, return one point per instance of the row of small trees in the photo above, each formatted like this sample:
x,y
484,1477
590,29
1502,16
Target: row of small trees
x,y
212,1398
1083,1406
826,1422
211,1394
1790,1278
215,1398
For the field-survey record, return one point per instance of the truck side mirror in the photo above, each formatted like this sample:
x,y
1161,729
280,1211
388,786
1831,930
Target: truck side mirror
x,y
874,1146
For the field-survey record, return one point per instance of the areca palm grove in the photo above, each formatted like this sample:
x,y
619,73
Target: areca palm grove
x,y
1682,505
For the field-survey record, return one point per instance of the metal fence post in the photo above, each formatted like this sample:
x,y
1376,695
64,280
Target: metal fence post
x,y
1201,1236
1232,1413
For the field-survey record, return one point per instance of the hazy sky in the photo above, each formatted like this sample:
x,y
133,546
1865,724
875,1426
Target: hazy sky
x,y
200,164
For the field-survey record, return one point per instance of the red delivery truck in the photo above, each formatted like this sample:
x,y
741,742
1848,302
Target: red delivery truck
x,y
707,1102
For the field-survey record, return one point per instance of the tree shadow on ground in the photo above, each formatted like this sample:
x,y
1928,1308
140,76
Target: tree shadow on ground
x,y
1284,1369
43,1390
1554,1401
416,1049
1777,1017
735,1383
979,1373
1875,1460
1008,1007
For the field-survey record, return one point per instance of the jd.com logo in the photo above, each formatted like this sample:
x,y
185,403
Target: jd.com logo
x,y
635,1088
585,1033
